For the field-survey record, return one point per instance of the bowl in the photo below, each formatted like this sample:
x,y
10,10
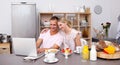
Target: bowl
x,y
51,51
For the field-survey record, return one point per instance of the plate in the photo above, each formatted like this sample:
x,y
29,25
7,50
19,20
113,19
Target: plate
x,y
76,52
108,56
29,58
49,61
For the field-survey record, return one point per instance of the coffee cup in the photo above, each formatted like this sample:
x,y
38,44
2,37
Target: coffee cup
x,y
78,49
50,56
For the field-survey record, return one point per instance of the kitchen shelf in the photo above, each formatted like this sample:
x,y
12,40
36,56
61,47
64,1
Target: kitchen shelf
x,y
76,19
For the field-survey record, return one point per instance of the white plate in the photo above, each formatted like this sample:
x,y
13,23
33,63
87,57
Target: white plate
x,y
76,52
30,58
49,61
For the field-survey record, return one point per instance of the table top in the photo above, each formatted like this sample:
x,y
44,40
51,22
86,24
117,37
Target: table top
x,y
73,59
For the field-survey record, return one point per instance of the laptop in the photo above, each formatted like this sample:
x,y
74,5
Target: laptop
x,y
26,47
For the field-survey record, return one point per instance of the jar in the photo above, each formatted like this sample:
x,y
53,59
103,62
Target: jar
x,y
85,52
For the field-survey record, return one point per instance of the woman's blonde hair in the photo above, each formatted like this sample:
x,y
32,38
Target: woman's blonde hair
x,y
63,20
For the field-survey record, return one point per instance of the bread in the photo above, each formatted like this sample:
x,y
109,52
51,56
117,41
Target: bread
x,y
101,45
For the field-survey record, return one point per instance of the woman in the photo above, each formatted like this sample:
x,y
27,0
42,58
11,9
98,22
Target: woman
x,y
71,36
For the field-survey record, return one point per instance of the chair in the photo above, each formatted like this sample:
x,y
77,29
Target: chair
x,y
83,42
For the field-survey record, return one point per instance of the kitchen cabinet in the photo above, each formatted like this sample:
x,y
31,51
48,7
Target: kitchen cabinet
x,y
4,48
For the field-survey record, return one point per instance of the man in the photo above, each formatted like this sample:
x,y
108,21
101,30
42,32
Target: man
x,y
50,39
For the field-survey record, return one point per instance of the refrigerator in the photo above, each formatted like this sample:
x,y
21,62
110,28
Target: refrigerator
x,y
24,20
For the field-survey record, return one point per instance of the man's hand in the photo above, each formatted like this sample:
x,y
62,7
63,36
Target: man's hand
x,y
39,50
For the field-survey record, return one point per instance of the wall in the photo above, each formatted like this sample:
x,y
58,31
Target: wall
x,y
110,12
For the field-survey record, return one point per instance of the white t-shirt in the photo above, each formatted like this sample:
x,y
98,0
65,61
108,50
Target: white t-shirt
x,y
50,40
69,39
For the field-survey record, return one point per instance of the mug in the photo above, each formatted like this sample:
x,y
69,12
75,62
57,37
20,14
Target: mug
x,y
50,56
78,49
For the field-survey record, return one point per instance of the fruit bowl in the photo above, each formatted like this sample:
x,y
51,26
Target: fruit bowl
x,y
66,52
104,44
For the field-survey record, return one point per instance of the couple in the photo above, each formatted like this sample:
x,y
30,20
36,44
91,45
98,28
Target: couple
x,y
53,38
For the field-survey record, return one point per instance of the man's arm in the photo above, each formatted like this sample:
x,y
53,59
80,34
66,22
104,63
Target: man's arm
x,y
58,43
55,46
39,42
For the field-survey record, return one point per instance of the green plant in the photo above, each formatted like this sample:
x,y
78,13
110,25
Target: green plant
x,y
106,27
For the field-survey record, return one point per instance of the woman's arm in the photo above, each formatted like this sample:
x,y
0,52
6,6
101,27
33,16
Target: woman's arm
x,y
77,40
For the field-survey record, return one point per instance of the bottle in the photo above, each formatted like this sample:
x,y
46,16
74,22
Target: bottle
x,y
93,53
4,38
85,52
85,32
82,9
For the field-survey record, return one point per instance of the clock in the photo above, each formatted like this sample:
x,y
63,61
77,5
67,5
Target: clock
x,y
98,9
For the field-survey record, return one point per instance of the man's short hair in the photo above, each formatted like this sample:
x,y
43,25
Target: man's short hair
x,y
54,18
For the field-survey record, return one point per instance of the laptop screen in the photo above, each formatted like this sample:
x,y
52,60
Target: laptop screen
x,y
24,46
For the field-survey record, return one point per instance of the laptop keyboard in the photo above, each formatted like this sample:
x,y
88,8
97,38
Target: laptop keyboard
x,y
34,57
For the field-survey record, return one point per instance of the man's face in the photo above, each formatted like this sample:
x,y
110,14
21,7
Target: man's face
x,y
53,25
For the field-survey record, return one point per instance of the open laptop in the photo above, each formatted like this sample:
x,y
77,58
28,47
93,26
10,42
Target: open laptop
x,y
25,47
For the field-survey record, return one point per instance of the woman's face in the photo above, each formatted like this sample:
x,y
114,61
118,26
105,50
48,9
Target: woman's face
x,y
61,26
